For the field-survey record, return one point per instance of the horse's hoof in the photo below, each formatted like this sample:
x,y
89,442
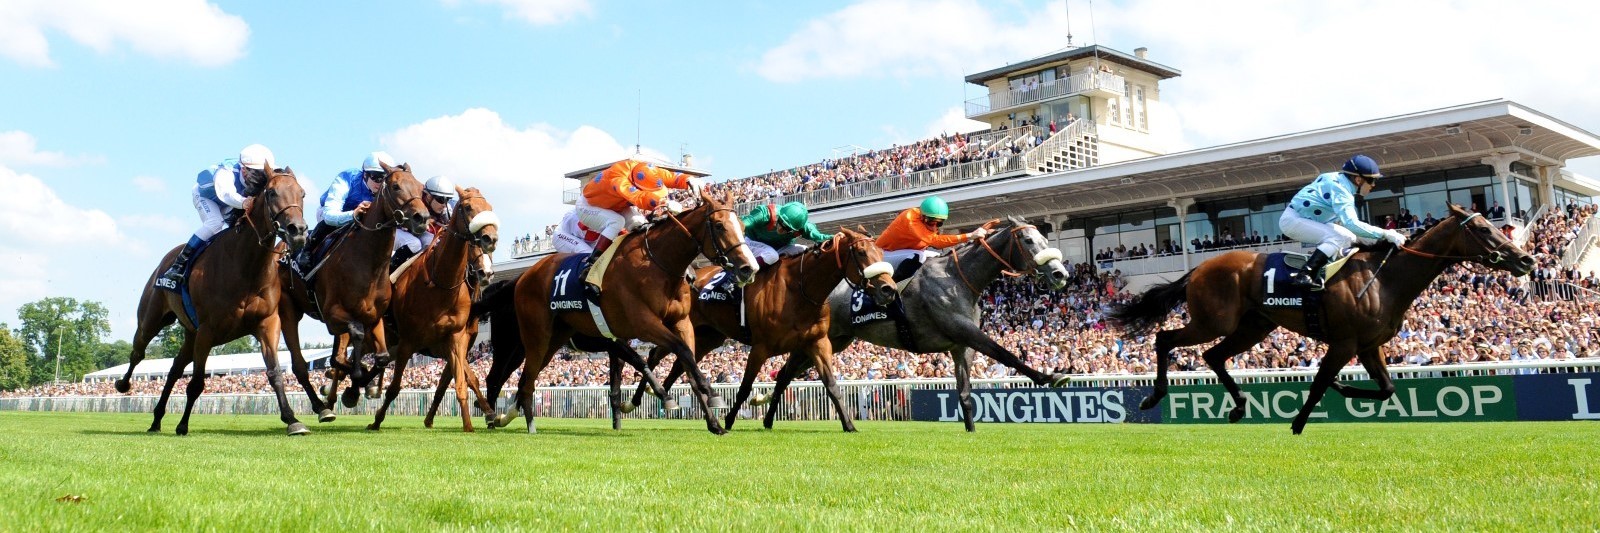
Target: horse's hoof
x,y
501,421
1236,414
326,415
296,429
326,390
718,403
122,386
670,404
350,397
532,429
373,427
373,392
183,430
1060,380
718,431
1149,403
626,408
428,423
759,400
153,429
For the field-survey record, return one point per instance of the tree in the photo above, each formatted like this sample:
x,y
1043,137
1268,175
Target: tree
x,y
108,355
245,344
14,370
166,343
64,328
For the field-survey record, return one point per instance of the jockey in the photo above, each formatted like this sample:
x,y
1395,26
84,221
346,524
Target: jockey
x,y
617,198
441,199
218,191
572,237
1324,214
770,231
348,197
915,230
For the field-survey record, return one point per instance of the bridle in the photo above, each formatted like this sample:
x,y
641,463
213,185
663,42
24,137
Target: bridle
x,y
721,257
268,240
837,249
1490,257
465,236
391,207
1007,269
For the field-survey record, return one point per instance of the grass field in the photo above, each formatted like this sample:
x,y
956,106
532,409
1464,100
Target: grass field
x,y
241,473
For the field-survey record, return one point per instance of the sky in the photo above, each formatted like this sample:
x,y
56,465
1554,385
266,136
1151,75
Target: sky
x,y
109,108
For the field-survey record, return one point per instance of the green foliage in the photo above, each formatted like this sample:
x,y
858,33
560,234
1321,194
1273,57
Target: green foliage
x,y
245,344
14,369
64,328
166,343
239,473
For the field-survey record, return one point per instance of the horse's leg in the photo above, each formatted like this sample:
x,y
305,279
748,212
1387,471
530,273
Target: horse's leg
x,y
614,367
759,353
338,360
821,355
791,368
967,333
540,345
197,380
290,324
1189,335
1327,372
962,356
380,351
460,342
681,338
153,317
1372,360
445,376
361,342
185,352
656,355
1248,335
267,337
647,378
394,383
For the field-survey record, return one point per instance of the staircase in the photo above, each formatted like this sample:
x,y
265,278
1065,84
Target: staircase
x,y
1073,147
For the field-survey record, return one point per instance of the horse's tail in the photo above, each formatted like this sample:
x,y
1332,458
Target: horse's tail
x,y
1147,311
498,303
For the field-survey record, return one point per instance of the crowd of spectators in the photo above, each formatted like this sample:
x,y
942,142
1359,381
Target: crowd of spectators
x,y
1469,314
529,244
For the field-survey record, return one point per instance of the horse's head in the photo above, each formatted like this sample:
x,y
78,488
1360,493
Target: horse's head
x,y
400,199
1470,236
862,261
1029,251
279,204
722,237
474,220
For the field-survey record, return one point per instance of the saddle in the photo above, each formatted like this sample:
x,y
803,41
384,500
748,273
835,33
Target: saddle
x,y
569,289
723,289
183,290
864,310
1278,293
319,253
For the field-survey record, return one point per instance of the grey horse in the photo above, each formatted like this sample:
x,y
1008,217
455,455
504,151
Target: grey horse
x,y
941,304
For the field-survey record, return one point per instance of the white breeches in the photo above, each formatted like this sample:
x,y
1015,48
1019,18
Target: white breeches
x,y
895,257
210,216
568,244
607,222
404,239
767,255
1331,239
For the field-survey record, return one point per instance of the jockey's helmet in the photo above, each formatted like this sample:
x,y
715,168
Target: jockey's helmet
x,y
1363,166
441,186
934,207
793,215
255,157
372,163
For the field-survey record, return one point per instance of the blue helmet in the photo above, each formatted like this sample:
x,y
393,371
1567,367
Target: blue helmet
x,y
1363,166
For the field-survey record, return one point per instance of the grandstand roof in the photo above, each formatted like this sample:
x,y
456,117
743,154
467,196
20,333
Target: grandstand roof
x,y
217,364
1429,140
1093,50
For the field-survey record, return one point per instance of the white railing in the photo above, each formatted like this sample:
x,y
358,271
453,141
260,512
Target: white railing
x,y
1580,248
933,177
572,194
1073,147
867,400
1081,82
1157,264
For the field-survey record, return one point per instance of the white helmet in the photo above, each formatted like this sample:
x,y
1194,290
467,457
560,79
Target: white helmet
x,y
373,160
441,186
255,157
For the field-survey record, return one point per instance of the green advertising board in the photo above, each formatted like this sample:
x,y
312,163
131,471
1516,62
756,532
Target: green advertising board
x,y
1415,400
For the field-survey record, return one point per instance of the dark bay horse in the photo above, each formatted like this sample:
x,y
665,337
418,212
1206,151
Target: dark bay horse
x,y
941,303
432,299
645,296
1224,296
787,313
352,289
234,288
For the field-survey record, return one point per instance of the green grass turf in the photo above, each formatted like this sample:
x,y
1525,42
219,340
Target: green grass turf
x,y
241,473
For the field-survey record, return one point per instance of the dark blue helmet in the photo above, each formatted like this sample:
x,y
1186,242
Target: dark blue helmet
x,y
1363,166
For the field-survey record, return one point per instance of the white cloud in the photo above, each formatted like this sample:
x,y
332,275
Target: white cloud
x,y
20,148
190,30
954,120
23,278
538,12
518,169
150,184
903,38
30,212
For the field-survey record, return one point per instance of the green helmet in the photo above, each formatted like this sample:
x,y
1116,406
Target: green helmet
x,y
934,207
793,215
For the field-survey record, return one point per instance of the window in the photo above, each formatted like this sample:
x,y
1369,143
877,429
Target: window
x,y
1141,114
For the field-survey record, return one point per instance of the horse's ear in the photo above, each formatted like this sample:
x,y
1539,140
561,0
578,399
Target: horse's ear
x,y
288,170
862,229
460,192
1015,221
385,166
406,167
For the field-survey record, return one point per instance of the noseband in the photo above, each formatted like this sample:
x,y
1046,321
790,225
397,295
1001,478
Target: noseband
x,y
278,231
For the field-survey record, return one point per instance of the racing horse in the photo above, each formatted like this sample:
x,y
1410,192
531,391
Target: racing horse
x,y
1363,306
941,308
787,313
234,291
644,296
431,301
353,291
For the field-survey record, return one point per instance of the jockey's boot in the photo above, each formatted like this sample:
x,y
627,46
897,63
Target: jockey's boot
x,y
399,258
173,277
303,262
1310,277
600,246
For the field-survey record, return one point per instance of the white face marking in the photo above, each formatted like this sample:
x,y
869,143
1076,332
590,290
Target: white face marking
x,y
744,250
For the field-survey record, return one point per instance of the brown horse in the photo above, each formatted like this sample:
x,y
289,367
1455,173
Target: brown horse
x,y
787,312
234,289
352,292
644,297
431,301
1224,297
